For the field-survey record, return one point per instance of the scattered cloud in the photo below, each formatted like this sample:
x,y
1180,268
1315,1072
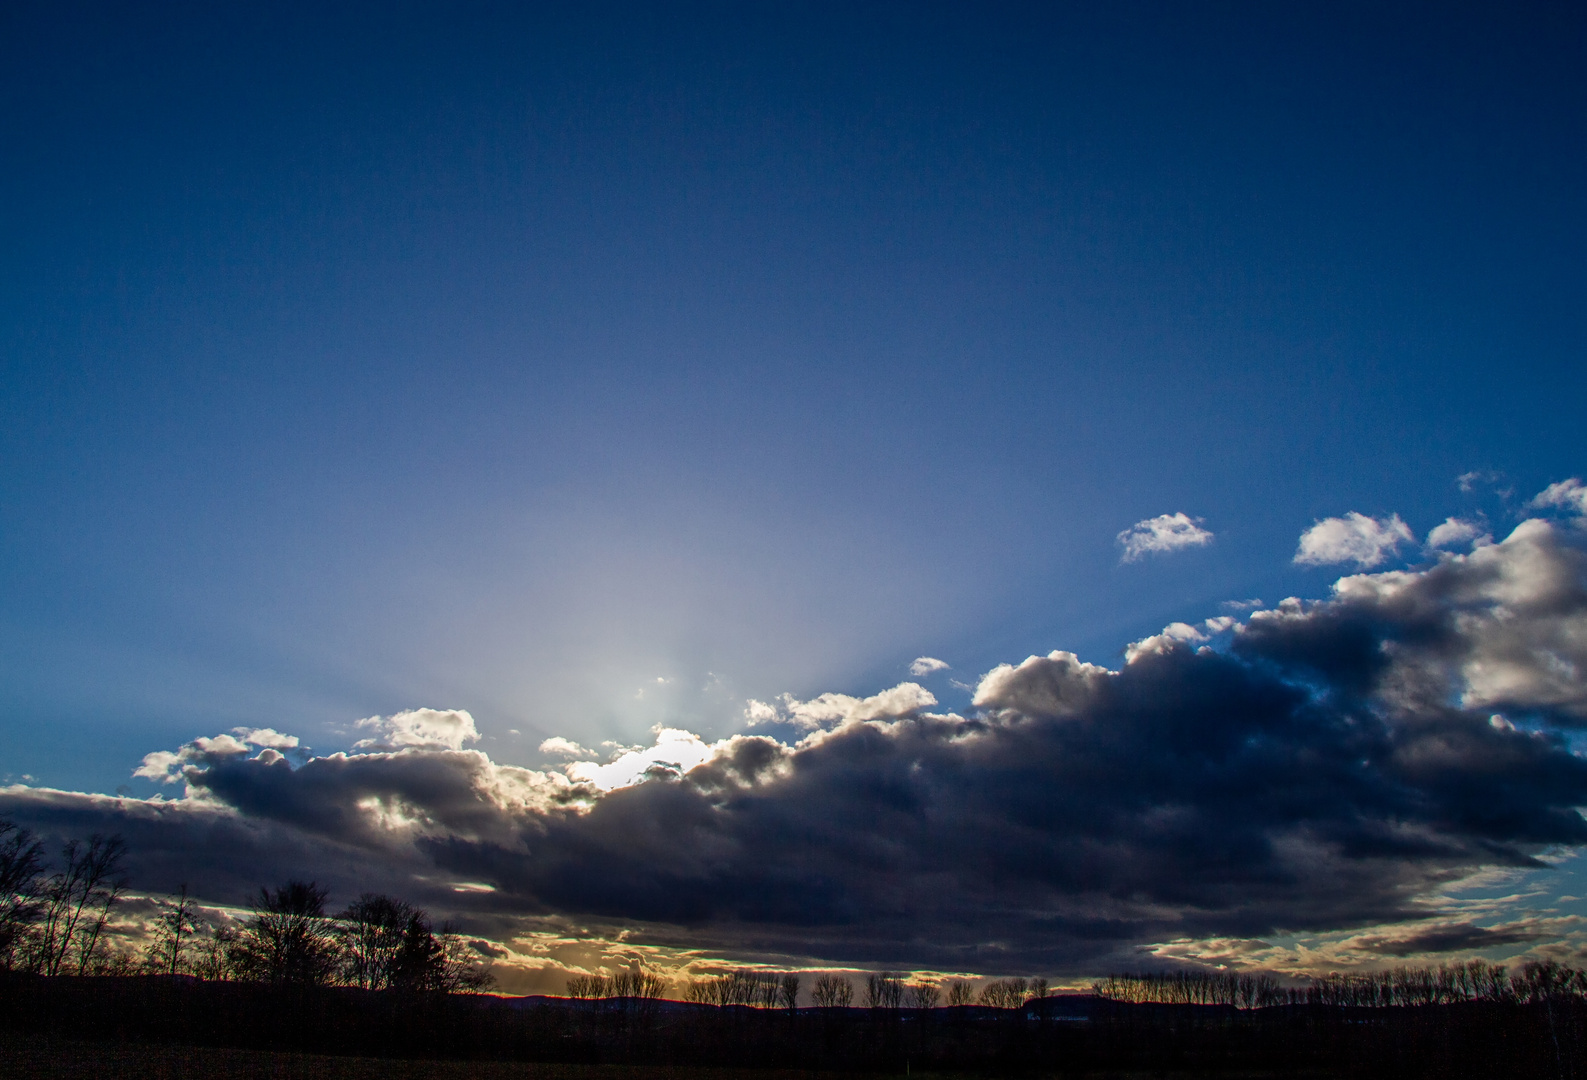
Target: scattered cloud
x,y
1161,534
419,729
1469,481
927,665
674,753
1568,495
1242,605
832,710
1455,532
558,746
1353,538
1334,769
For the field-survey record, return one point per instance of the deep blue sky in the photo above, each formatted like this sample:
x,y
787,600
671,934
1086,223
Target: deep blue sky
x,y
512,361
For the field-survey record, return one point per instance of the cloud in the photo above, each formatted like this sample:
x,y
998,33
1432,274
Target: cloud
x,y
266,737
1454,532
830,710
420,729
1448,938
1566,495
674,752
1468,481
563,747
1330,767
1163,533
1353,538
927,665
167,767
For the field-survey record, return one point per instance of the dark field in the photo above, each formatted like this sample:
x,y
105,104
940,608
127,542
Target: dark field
x,y
163,1027
49,1059
52,1059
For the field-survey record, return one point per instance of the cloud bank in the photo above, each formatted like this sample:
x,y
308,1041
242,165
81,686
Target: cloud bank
x,y
1316,767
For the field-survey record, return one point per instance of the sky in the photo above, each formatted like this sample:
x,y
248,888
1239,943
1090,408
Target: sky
x,y
420,420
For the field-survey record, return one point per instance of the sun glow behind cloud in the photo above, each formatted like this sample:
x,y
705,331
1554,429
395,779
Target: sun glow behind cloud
x,y
841,797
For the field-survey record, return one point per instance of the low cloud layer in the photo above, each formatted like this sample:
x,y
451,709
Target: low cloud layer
x,y
1314,768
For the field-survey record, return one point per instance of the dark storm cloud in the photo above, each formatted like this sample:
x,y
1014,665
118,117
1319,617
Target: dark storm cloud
x,y
1333,763
1454,937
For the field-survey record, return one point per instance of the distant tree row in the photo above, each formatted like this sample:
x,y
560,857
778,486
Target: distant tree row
x,y
1474,980
1244,990
639,982
757,989
880,990
55,924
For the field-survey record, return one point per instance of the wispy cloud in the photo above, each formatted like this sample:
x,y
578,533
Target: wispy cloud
x,y
926,665
1568,495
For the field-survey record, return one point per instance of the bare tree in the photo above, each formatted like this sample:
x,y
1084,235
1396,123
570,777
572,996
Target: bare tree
x,y
77,901
21,866
884,990
1004,993
923,994
961,992
210,951
788,990
370,932
588,987
173,926
832,992
287,941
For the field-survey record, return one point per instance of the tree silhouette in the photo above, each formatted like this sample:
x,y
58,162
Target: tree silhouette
x,y
372,931
923,994
76,903
832,992
961,992
288,940
21,867
884,990
172,926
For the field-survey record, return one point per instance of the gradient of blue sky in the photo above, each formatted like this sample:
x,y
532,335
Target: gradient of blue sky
x,y
516,360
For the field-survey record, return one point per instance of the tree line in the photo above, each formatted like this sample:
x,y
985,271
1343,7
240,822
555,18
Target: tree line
x,y
772,989
1446,984
54,923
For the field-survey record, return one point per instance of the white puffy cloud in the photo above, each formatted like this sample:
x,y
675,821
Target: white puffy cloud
x,y
563,747
1058,684
1353,538
1454,532
419,729
926,665
1566,495
268,737
675,750
1178,633
830,710
1163,533
166,767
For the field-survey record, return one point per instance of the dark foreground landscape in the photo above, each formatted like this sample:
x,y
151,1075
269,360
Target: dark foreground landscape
x,y
154,1026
